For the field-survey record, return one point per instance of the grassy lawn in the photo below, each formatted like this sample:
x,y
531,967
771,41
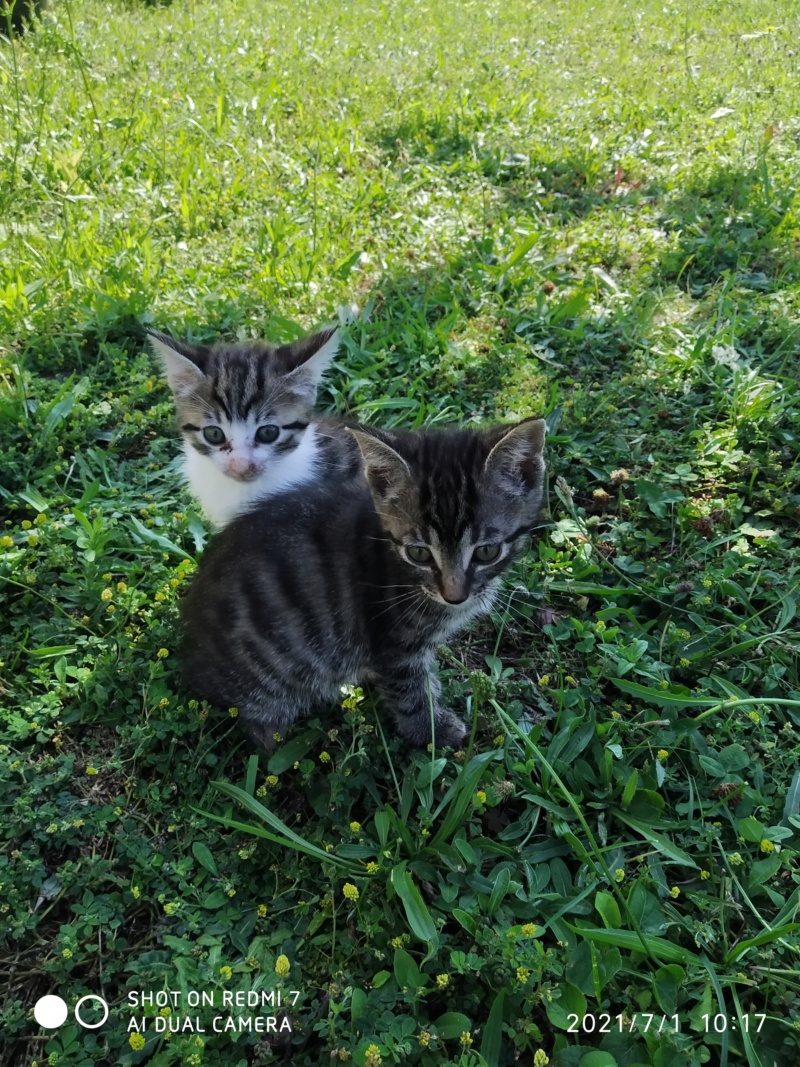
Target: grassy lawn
x,y
587,211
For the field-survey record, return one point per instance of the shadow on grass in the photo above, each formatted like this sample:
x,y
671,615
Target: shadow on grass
x,y
573,182
731,222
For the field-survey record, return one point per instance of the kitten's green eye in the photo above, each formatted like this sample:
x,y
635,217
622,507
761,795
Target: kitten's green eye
x,y
265,435
486,553
419,553
214,435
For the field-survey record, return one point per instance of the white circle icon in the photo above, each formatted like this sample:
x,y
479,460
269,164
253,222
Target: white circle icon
x,y
50,1012
91,1026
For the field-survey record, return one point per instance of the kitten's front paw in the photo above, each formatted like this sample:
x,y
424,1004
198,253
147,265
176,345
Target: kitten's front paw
x,y
260,733
449,731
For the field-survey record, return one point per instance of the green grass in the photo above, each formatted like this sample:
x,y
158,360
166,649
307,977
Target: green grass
x,y
588,211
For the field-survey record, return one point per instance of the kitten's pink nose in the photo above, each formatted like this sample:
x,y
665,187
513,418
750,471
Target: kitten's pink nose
x,y
242,467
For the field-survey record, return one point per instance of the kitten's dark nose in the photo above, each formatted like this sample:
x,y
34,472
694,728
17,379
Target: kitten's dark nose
x,y
454,591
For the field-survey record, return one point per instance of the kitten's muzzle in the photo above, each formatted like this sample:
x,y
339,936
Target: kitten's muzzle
x,y
243,471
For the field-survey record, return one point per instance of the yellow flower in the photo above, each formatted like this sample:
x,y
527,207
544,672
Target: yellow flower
x,y
262,910
767,846
685,662
540,1058
704,876
136,891
26,525
7,542
33,541
324,757
282,966
443,980
353,696
233,712
753,716
480,797
675,892
372,868
225,974
373,1057
171,908
162,653
67,953
106,595
159,597
735,859
544,681
615,715
165,1012
355,826
529,930
40,519
271,780
662,754
619,874
465,1039
523,974
137,1042
350,891
424,1038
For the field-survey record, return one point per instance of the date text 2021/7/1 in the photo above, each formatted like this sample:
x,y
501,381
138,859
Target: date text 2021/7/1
x,y
644,1022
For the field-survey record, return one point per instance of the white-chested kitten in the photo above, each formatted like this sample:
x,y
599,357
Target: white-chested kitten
x,y
246,413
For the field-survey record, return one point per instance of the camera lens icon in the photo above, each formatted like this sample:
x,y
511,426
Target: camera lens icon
x,y
51,1011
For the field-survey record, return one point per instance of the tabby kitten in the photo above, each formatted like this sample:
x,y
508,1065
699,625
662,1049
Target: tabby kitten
x,y
360,580
246,413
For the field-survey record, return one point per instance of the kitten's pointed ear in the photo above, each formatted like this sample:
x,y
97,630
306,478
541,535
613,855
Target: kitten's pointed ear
x,y
516,460
386,471
183,362
305,361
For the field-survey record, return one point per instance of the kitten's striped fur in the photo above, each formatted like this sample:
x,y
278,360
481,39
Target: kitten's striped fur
x,y
318,589
237,392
